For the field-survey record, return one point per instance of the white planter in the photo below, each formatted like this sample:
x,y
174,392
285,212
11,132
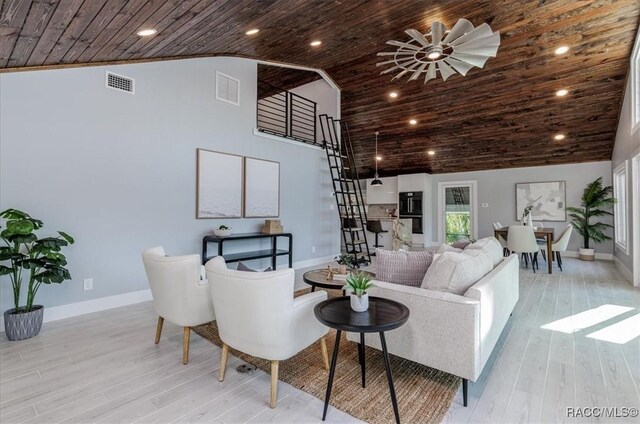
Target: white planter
x,y
360,303
222,233
587,254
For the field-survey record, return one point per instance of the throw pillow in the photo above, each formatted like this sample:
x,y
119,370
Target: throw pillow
x,y
455,272
447,248
491,246
461,243
243,267
402,267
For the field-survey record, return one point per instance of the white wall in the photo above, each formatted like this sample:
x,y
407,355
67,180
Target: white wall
x,y
117,171
497,188
326,98
627,145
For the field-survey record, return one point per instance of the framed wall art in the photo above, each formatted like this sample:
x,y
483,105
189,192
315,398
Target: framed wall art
x,y
219,184
261,188
547,199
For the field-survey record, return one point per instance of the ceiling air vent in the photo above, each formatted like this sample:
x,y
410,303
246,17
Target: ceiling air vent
x,y
120,83
227,89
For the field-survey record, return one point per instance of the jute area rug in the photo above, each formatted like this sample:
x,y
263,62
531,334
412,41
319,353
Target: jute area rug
x,y
424,394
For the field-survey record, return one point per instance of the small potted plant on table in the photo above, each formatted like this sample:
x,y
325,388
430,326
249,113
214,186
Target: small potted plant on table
x,y
343,260
24,250
222,231
596,200
357,285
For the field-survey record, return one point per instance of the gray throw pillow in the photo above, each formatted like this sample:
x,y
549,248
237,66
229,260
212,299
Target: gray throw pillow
x,y
402,267
243,267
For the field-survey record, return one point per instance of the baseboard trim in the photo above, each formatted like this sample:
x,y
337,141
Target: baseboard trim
x,y
575,254
626,272
70,310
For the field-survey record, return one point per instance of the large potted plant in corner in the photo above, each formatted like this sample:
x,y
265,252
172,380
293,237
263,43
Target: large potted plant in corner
x,y
24,252
596,202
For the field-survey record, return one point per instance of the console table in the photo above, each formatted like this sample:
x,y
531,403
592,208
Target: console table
x,y
272,253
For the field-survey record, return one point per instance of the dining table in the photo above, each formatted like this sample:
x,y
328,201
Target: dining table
x,y
540,232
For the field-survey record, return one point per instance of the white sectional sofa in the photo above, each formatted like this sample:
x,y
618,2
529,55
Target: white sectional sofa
x,y
450,332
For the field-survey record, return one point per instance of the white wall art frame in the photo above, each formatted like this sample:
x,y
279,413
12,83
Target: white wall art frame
x,y
219,182
548,200
261,188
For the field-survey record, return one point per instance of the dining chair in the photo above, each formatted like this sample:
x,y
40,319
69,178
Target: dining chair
x,y
501,239
180,295
560,245
522,239
258,315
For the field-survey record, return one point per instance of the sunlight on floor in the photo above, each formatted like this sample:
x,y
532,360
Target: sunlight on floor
x,y
586,319
621,332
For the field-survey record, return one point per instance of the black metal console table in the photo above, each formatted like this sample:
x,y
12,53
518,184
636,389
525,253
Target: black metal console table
x,y
272,253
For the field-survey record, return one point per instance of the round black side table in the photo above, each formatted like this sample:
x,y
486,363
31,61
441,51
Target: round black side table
x,y
382,315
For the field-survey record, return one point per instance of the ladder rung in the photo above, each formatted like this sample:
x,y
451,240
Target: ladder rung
x,y
352,229
344,167
346,180
358,242
338,156
346,192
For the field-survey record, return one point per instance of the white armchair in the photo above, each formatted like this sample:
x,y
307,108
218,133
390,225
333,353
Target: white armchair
x,y
258,315
179,293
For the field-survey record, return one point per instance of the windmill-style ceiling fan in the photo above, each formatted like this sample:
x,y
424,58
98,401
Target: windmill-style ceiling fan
x,y
462,48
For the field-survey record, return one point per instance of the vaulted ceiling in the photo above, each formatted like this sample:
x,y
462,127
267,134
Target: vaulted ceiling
x,y
503,115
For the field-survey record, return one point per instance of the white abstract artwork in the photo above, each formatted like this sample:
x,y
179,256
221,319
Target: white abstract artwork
x,y
262,188
547,199
219,185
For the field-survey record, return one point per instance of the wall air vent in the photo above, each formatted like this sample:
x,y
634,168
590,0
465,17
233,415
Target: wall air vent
x,y
120,83
227,89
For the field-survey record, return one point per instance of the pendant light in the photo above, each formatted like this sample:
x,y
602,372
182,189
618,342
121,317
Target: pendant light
x,y
376,181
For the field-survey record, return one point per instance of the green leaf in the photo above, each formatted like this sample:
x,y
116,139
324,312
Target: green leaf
x,y
67,237
13,214
22,239
22,226
5,270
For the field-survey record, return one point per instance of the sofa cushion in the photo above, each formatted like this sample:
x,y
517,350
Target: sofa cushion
x,y
461,243
402,267
454,272
447,248
491,246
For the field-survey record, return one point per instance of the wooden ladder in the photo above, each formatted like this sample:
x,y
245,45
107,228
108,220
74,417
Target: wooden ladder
x,y
346,188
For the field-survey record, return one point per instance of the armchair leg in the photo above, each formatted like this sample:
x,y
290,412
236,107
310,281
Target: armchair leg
x,y
223,361
185,344
325,356
159,329
274,384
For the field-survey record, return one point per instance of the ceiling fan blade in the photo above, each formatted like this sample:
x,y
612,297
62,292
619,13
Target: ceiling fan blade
x,y
398,61
409,69
481,31
460,28
431,72
437,31
405,45
417,35
417,72
445,70
472,59
479,51
403,53
458,65
491,41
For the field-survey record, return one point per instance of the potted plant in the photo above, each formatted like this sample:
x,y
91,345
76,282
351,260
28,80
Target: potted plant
x,y
357,285
222,231
23,251
343,260
596,200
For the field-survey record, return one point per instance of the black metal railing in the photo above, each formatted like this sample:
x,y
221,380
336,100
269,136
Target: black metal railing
x,y
286,114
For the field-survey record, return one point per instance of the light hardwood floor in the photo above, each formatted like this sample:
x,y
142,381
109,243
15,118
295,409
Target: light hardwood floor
x,y
104,367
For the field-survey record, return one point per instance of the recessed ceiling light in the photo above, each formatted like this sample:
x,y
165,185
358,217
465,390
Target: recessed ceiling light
x,y
378,158
558,137
147,32
562,50
562,92
393,94
252,31
431,152
413,121
316,43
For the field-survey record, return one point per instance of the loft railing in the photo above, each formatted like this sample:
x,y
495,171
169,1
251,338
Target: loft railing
x,y
286,114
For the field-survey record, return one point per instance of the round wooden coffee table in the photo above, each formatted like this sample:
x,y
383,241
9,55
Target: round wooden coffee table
x,y
318,278
382,315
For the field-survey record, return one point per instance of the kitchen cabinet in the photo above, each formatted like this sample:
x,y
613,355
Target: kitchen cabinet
x,y
385,194
412,182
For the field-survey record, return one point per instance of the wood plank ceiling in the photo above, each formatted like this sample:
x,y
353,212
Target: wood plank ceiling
x,y
503,115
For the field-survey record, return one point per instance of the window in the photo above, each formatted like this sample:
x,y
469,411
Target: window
x,y
620,208
635,87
